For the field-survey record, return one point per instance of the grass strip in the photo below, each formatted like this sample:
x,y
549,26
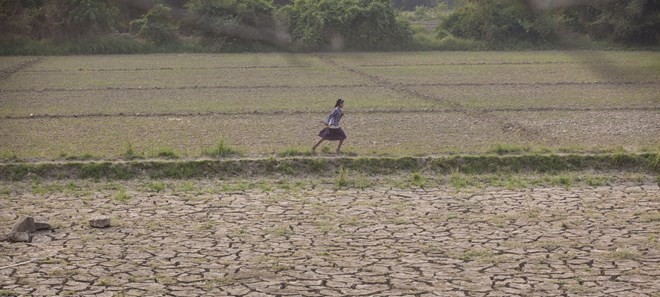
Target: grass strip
x,y
328,167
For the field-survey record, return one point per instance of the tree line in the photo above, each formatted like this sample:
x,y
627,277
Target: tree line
x,y
319,25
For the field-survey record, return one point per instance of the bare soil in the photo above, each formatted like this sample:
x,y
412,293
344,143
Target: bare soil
x,y
188,241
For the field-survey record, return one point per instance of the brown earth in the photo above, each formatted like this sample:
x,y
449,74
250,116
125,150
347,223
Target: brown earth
x,y
188,240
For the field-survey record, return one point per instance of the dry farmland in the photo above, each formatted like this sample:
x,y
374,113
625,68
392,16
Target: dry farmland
x,y
478,219
396,103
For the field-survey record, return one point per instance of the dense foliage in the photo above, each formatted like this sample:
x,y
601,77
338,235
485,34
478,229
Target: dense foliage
x,y
312,25
500,22
345,24
629,22
236,24
156,26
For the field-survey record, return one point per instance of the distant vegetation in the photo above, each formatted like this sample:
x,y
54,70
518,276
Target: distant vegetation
x,y
120,26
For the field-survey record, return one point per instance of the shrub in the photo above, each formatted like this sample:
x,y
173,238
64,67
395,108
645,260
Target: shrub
x,y
86,17
349,24
234,25
499,23
156,26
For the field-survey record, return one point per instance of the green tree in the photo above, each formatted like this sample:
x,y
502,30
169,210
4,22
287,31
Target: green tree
x,y
157,25
629,21
345,24
239,24
499,23
87,17
413,4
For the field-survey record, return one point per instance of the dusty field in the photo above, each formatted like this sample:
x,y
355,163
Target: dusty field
x,y
401,133
199,238
571,234
397,103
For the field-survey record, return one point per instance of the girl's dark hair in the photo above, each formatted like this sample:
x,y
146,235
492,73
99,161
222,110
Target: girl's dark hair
x,y
339,101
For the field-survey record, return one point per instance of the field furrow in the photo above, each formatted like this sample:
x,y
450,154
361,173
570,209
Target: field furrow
x,y
396,103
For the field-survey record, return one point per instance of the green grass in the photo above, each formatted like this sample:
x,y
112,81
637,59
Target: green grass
x,y
341,180
282,231
122,196
418,180
293,152
131,154
155,186
168,153
8,293
221,150
506,149
624,254
458,168
476,254
459,181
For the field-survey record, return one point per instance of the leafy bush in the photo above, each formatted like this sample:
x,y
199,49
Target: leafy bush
x,y
349,24
234,25
156,26
631,22
86,17
499,23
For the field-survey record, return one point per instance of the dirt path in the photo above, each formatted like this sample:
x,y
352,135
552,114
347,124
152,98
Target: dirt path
x,y
595,241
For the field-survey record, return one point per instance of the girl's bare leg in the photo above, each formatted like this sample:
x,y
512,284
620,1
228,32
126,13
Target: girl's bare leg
x,y
339,146
316,145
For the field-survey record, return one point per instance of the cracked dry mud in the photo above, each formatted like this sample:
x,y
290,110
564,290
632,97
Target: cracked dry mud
x,y
585,241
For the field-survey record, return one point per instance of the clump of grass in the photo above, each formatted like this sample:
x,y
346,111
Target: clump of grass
x,y
131,154
650,217
596,181
167,153
292,152
285,168
279,268
625,254
506,149
417,179
563,180
205,227
515,182
187,187
282,231
459,181
122,196
265,187
654,162
8,293
7,156
362,182
155,187
221,150
475,254
317,165
106,281
341,180
239,186
83,157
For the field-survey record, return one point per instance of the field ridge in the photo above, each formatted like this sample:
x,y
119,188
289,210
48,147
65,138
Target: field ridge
x,y
298,112
328,166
